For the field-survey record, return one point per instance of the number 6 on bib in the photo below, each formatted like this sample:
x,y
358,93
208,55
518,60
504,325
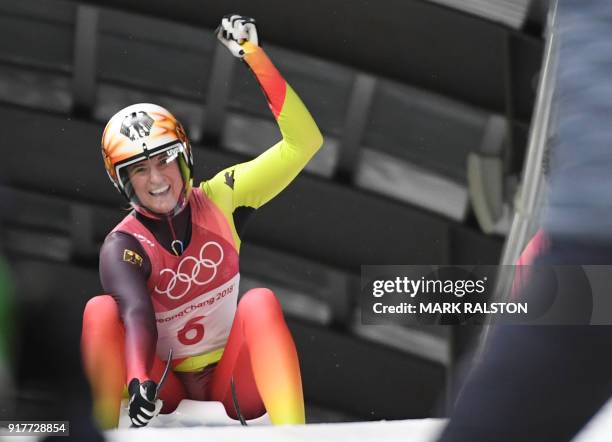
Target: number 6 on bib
x,y
192,333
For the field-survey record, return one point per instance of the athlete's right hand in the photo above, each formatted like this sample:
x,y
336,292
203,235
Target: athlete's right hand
x,y
143,405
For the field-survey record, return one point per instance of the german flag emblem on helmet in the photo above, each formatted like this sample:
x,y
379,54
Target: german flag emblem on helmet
x,y
137,125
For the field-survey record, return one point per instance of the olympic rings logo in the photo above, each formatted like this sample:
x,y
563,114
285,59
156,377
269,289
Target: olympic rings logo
x,y
190,278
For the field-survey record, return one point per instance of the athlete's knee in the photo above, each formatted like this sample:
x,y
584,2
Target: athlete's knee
x,y
260,301
100,309
102,336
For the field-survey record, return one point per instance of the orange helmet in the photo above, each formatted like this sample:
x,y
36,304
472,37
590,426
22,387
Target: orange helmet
x,y
139,132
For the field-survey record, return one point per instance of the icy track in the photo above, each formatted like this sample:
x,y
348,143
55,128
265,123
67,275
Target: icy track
x,y
416,430
185,424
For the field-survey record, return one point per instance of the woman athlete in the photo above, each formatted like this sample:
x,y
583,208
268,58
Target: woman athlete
x,y
171,271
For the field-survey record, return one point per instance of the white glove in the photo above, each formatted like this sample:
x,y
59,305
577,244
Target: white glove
x,y
235,30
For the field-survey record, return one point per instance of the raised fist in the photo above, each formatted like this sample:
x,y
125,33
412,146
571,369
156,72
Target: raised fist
x,y
235,30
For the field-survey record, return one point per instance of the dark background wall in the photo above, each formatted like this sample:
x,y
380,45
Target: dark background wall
x,y
404,92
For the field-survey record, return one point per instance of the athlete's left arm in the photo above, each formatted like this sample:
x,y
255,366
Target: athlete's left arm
x,y
256,182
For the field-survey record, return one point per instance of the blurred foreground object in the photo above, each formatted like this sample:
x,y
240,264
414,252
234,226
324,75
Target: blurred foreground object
x,y
544,383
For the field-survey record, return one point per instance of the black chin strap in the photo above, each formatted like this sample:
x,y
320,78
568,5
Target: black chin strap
x,y
165,228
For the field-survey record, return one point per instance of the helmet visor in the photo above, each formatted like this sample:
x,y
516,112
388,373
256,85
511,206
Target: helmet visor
x,y
157,182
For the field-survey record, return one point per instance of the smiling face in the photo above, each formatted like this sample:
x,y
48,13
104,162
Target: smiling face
x,y
157,183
